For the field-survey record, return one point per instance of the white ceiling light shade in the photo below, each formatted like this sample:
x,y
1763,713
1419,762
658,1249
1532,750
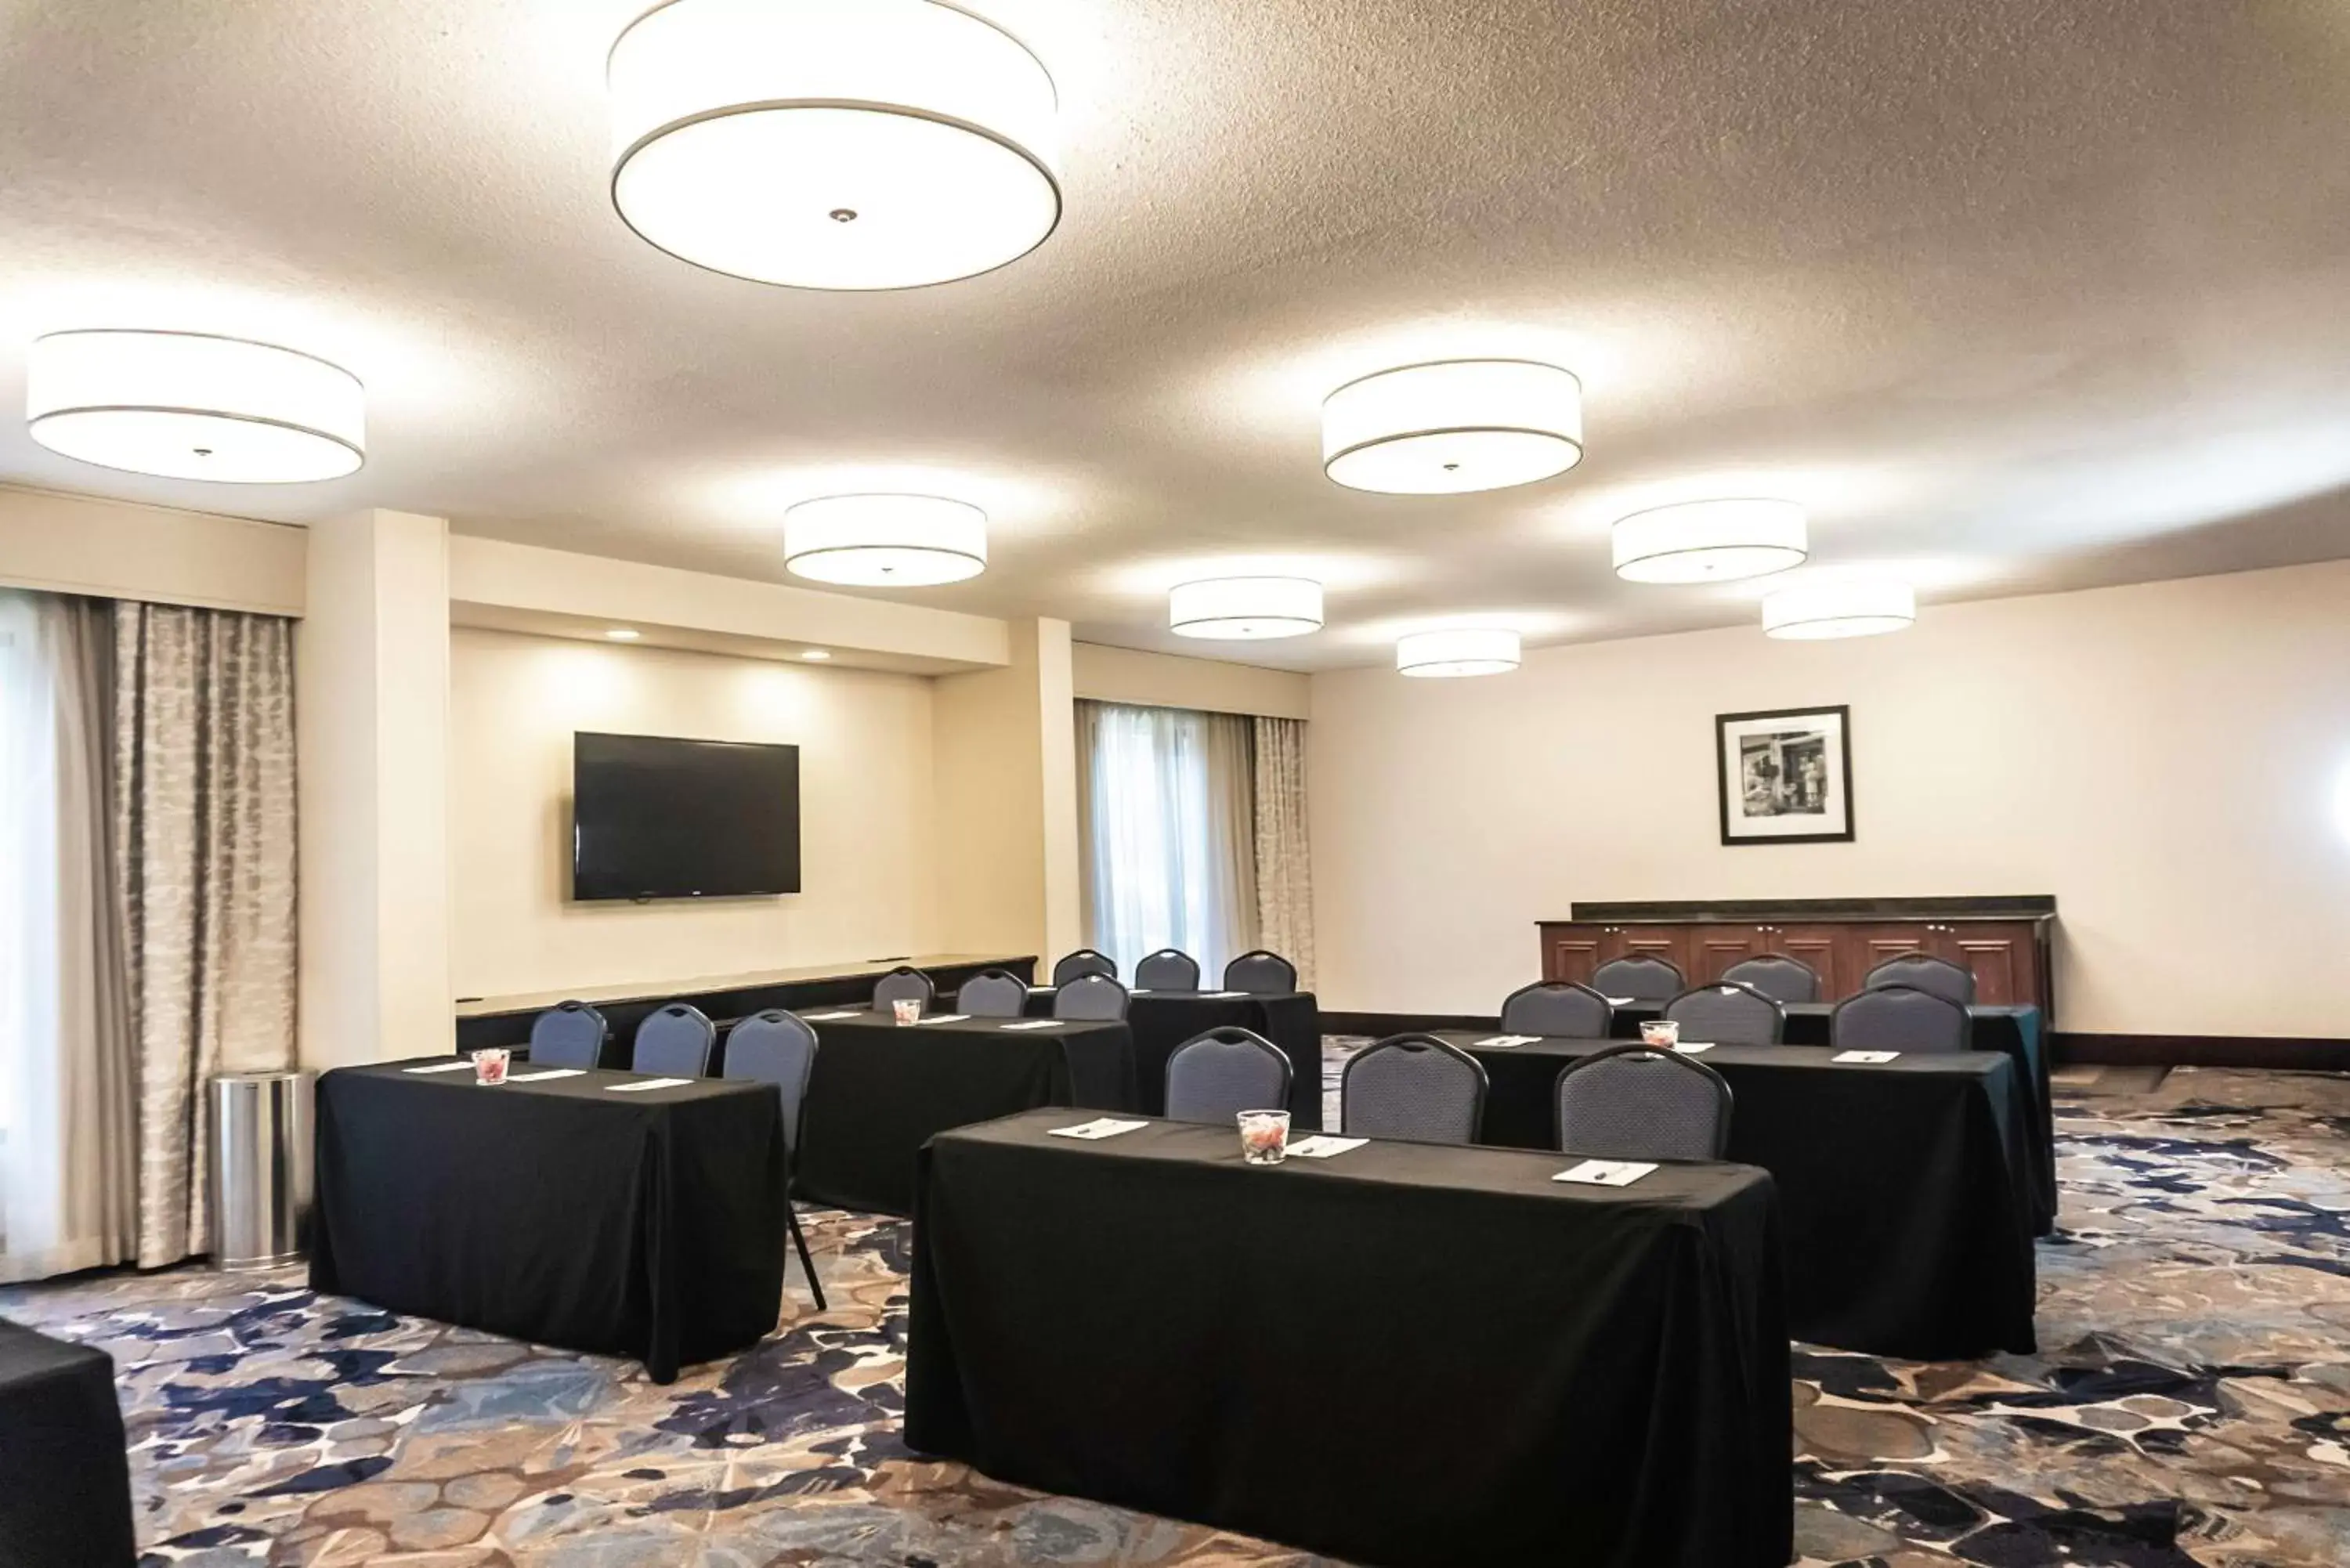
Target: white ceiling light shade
x,y
1710,542
1465,650
1854,607
1236,609
840,144
885,541
187,405
1453,427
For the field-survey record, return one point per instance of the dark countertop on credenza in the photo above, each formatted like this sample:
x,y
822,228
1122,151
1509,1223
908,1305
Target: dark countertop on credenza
x,y
2031,907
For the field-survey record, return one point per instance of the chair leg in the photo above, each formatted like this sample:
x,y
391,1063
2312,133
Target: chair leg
x,y
808,1265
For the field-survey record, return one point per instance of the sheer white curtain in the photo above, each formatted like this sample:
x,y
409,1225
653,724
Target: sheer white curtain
x,y
1167,815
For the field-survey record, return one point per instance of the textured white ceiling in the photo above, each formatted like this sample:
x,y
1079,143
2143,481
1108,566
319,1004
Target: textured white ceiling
x,y
2014,294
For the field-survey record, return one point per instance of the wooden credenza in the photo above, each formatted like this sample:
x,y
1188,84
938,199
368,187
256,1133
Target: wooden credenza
x,y
2006,942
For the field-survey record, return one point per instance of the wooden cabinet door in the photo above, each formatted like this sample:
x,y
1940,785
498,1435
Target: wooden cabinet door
x,y
1823,947
1670,943
2003,959
1571,953
1713,949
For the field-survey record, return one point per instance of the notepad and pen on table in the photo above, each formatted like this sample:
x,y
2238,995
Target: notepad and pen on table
x,y
1100,1127
1505,1042
458,1066
836,1015
637,1088
544,1074
1866,1058
1323,1146
1607,1172
1027,1024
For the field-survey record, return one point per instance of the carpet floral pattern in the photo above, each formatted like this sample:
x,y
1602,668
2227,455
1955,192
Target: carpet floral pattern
x,y
2192,1406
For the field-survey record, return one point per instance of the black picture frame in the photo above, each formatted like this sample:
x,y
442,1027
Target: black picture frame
x,y
1838,788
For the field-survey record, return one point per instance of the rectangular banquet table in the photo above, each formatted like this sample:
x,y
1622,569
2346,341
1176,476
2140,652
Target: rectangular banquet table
x,y
1904,1187
648,1224
1409,1354
64,1470
1163,1020
880,1089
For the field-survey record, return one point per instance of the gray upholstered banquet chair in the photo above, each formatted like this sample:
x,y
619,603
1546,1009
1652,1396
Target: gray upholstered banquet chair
x,y
1642,977
904,984
994,994
1168,970
1559,1008
1412,1086
1085,961
1634,1102
1777,976
1260,973
1922,971
1220,1073
1094,998
674,1041
568,1034
775,1047
1728,1014
1899,1018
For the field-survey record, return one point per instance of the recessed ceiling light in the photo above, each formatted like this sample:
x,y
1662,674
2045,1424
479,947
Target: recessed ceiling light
x,y
1245,610
1453,427
1710,542
880,144
817,653
885,541
1458,651
1852,607
186,405
623,634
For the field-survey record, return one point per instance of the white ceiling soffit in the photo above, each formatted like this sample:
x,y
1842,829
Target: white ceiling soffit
x,y
2008,296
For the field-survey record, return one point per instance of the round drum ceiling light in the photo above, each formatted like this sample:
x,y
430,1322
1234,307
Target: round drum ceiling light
x,y
1467,650
1451,428
843,144
1253,609
1858,608
186,405
1710,542
885,541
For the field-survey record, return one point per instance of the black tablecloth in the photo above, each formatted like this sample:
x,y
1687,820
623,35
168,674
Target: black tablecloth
x,y
64,1470
1409,1354
646,1224
881,1089
1905,1186
1164,1019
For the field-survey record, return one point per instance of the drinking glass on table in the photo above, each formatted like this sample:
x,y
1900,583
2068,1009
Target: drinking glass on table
x,y
490,1065
1663,1033
906,1009
1264,1136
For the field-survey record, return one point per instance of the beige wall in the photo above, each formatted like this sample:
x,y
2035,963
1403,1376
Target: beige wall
x,y
115,549
1167,681
2171,761
1006,758
865,812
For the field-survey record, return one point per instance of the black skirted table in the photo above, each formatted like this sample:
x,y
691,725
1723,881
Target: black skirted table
x,y
1905,1186
1409,1354
647,1223
880,1089
65,1471
1163,1020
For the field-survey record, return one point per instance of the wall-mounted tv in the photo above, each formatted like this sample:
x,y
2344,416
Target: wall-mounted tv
x,y
655,818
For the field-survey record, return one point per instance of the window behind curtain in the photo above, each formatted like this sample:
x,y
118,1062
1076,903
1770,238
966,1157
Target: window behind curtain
x,y
1167,814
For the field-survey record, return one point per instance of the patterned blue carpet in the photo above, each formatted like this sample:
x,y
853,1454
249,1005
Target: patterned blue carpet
x,y
2193,1407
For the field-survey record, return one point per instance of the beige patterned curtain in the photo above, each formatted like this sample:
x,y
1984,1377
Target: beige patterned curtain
x,y
1285,866
203,763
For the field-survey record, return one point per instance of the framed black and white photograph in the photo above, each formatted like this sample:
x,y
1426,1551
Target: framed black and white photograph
x,y
1785,776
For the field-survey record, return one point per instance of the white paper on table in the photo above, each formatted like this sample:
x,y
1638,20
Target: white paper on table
x,y
1036,1023
1100,1127
1504,1042
1217,995
1692,1047
541,1076
1322,1146
648,1083
829,1017
1866,1058
1607,1172
1620,1001
441,1067
1138,990
943,1018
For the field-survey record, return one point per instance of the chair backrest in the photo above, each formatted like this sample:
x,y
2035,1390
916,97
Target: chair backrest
x,y
904,983
1260,973
1168,970
775,1047
1559,1009
1923,971
568,1034
1412,1086
994,994
1092,997
1634,1103
1728,1014
1899,1018
1777,976
1217,1076
674,1041
1641,977
1085,961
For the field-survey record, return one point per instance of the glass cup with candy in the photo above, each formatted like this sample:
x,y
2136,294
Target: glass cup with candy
x,y
1264,1136
490,1065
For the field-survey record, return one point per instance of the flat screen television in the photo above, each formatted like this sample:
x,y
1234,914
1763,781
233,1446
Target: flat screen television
x,y
655,818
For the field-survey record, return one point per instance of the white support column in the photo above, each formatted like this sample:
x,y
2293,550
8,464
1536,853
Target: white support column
x,y
1057,721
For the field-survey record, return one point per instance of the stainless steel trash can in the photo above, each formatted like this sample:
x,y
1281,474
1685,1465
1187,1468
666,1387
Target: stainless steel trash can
x,y
260,1168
